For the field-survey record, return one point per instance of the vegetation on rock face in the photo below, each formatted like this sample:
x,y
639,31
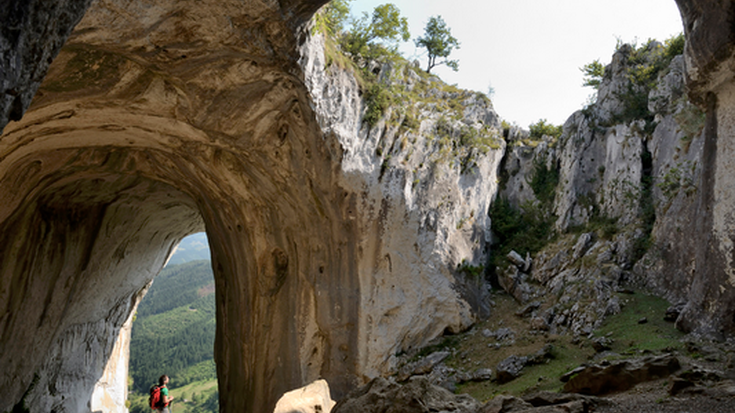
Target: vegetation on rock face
x,y
331,19
543,128
593,74
525,230
399,93
643,65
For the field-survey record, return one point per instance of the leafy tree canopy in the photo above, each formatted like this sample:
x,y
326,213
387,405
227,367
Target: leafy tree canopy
x,y
439,43
385,26
332,17
593,74
543,127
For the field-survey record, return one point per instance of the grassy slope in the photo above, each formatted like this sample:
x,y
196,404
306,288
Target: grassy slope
x,y
630,338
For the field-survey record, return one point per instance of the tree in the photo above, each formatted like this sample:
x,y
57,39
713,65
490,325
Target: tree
x,y
385,25
593,74
439,42
332,17
542,127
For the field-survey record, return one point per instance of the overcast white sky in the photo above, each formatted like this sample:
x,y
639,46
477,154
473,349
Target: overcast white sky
x,y
530,51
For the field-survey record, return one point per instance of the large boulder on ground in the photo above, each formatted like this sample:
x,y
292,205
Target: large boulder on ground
x,y
418,395
312,398
621,375
510,368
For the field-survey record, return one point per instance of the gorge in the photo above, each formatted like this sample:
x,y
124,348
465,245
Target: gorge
x,y
160,119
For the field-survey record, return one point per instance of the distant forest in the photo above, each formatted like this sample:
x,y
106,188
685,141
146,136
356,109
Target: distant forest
x,y
173,334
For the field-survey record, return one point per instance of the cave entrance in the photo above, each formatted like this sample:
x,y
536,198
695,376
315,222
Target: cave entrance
x,y
125,151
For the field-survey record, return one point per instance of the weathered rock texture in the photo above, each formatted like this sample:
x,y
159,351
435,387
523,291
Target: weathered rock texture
x,y
312,398
627,170
165,118
110,392
31,35
710,64
159,119
420,198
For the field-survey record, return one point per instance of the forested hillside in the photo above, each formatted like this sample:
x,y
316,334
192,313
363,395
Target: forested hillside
x,y
173,334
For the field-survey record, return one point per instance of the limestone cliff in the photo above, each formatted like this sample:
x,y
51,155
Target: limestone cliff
x,y
331,251
422,176
626,202
158,120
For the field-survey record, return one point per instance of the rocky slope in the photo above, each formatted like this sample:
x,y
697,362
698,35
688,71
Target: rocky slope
x,y
626,201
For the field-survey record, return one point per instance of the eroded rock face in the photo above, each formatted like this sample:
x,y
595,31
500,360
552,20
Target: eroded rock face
x,y
159,119
420,210
31,34
710,63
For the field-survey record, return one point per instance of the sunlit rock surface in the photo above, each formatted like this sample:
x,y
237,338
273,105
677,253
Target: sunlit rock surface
x,y
421,213
111,391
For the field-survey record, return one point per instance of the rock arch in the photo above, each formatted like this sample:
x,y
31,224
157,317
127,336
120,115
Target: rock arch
x,y
140,136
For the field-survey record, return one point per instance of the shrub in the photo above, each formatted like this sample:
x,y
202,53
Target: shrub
x,y
525,230
544,181
541,128
377,99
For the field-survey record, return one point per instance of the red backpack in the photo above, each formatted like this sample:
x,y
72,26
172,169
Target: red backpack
x,y
155,400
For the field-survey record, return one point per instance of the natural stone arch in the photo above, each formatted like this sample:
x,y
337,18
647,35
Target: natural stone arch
x,y
129,199
142,147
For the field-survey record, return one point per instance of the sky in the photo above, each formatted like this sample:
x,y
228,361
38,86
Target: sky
x,y
531,51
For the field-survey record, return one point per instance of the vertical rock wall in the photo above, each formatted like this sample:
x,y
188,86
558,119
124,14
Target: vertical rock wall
x,y
31,35
420,205
111,390
710,59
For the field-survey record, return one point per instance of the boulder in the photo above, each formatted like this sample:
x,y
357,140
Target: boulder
x,y
416,396
312,398
538,324
514,283
510,368
601,344
516,259
422,366
672,313
542,356
528,309
620,375
504,404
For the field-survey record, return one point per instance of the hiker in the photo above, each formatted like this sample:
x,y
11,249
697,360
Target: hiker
x,y
165,399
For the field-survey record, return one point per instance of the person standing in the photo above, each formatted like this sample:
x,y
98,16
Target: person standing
x,y
165,398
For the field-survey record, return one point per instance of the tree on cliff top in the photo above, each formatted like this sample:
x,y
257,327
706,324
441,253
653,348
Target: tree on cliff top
x,y
439,42
332,17
385,27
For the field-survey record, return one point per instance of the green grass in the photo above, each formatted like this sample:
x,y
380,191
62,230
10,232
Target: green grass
x,y
202,388
198,387
541,377
631,337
